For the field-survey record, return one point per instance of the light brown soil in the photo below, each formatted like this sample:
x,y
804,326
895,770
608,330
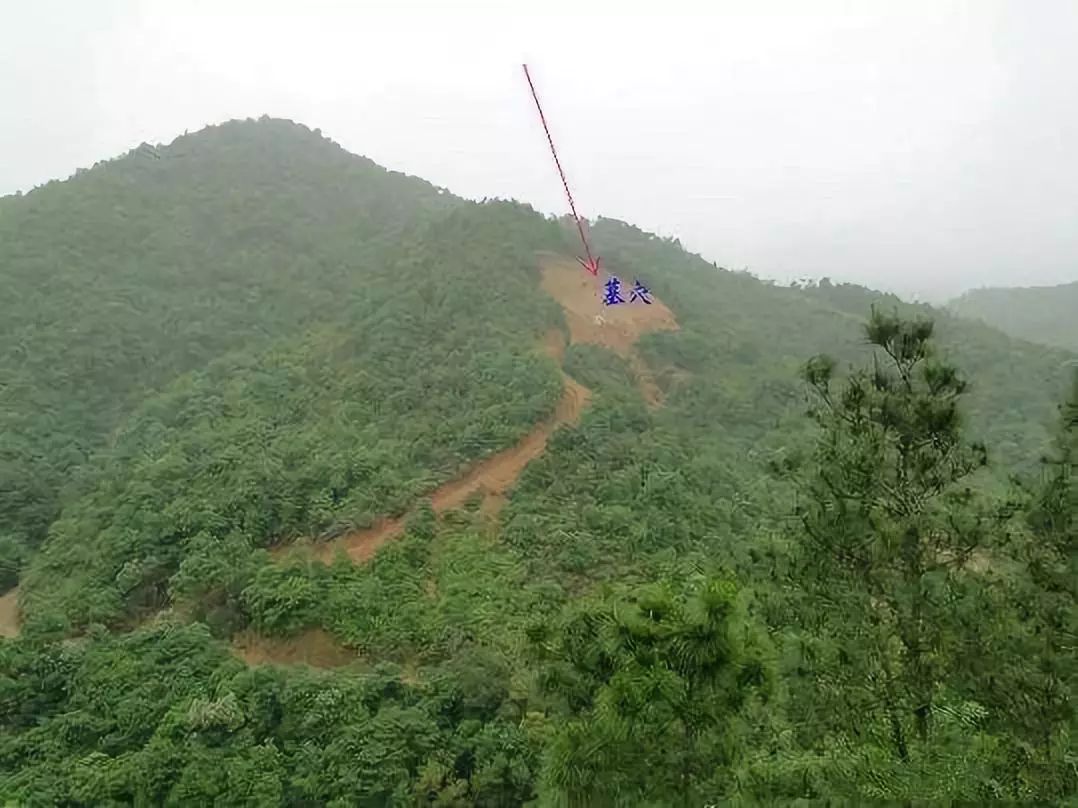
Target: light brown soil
x,y
615,327
493,504
581,296
978,561
313,647
9,613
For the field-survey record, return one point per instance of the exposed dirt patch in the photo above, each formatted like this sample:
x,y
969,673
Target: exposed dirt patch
x,y
9,613
554,345
615,327
978,561
313,647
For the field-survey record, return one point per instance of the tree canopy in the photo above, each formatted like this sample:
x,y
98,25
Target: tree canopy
x,y
250,341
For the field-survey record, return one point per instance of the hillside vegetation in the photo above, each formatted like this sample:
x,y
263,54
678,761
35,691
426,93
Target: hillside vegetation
x,y
737,573
1045,314
124,277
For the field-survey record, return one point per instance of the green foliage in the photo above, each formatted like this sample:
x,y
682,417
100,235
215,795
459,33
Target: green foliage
x,y
422,600
256,452
13,554
1035,616
889,519
254,338
234,246
1053,512
164,716
1042,314
124,277
1015,385
898,601
652,684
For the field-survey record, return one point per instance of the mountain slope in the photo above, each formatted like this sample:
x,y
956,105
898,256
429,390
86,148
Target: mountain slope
x,y
142,268
357,318
258,342
1044,314
744,340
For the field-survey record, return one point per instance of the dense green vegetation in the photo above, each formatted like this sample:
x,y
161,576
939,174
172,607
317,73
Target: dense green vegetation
x,y
1001,370
257,338
126,276
1042,314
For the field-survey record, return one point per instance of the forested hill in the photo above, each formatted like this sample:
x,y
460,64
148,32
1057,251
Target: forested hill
x,y
1045,314
264,401
129,274
1015,385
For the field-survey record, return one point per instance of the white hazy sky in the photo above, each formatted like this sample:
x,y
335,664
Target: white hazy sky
x,y
921,147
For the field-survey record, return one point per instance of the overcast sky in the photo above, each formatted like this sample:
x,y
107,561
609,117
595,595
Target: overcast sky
x,y
921,147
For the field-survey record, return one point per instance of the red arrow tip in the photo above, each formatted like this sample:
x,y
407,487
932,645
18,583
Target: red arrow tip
x,y
591,264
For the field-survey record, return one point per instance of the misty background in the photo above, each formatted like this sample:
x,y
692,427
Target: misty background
x,y
918,147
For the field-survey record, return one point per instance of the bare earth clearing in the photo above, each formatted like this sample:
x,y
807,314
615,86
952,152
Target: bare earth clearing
x,y
9,613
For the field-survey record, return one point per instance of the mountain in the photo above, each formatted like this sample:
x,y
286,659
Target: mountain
x,y
1044,314
265,403
129,274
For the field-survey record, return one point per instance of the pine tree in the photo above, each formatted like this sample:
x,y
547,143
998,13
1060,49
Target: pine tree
x,y
1024,667
1047,598
888,523
1054,514
652,683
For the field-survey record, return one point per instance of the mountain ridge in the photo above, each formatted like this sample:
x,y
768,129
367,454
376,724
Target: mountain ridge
x,y
1043,314
264,340
306,221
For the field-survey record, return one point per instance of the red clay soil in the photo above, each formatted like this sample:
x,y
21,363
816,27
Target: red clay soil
x,y
9,613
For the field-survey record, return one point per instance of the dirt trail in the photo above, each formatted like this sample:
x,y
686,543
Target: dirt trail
x,y
491,477
9,613
615,327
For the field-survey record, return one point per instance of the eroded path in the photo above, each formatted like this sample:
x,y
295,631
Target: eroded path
x,y
589,321
491,477
314,647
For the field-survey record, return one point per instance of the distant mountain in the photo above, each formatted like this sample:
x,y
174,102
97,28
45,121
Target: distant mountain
x,y
1045,314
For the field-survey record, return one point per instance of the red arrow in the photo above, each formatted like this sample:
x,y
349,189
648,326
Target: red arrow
x,y
591,264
